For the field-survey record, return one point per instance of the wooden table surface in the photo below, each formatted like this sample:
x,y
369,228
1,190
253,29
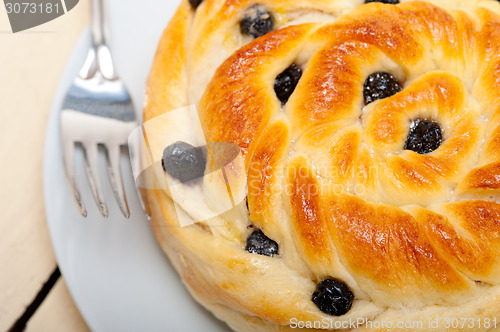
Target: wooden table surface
x,y
31,64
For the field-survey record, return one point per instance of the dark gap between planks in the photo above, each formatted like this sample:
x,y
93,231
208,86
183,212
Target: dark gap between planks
x,y
20,324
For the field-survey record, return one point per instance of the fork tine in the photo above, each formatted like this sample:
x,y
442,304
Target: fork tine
x,y
134,150
69,168
115,178
91,166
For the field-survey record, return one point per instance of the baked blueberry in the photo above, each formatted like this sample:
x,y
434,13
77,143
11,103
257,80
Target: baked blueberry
x,y
258,243
333,297
392,2
425,136
380,85
257,21
286,82
184,161
195,3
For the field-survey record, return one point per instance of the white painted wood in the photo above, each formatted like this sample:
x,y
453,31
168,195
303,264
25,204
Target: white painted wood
x,y
31,63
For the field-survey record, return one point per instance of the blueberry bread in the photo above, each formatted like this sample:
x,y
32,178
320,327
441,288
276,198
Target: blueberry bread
x,y
367,186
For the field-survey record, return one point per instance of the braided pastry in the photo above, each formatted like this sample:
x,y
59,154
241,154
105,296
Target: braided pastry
x,y
368,183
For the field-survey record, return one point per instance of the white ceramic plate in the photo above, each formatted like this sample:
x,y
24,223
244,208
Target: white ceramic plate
x,y
117,274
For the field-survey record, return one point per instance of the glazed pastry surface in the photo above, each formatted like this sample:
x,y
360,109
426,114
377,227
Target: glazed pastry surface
x,y
388,183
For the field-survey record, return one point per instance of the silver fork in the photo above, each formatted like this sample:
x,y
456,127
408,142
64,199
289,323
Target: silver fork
x,y
97,111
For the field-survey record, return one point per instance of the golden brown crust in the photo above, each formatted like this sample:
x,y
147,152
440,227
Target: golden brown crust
x,y
414,236
308,223
264,169
166,89
388,250
234,109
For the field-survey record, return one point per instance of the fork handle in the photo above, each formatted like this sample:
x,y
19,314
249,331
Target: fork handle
x,y
99,55
97,23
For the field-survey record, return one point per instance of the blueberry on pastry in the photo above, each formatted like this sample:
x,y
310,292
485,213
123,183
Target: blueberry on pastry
x,y
183,161
286,82
257,21
379,86
258,243
425,136
333,297
392,2
195,3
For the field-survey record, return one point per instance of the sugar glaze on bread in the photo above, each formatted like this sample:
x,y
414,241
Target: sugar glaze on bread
x,y
415,237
